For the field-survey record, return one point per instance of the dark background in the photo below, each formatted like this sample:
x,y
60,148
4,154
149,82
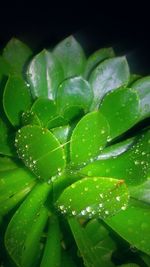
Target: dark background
x,y
43,24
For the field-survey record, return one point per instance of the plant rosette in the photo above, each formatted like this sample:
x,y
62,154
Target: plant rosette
x,y
74,158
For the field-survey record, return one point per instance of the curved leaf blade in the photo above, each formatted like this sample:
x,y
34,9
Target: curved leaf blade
x,y
101,197
23,222
51,74
52,252
107,76
68,51
122,110
88,138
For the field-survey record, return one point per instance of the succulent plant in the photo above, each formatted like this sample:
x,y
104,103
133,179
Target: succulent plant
x,y
74,158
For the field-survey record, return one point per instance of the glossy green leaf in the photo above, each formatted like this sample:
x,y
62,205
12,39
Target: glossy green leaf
x,y
29,117
142,87
7,163
133,165
45,109
23,226
51,74
133,225
71,56
107,76
101,198
14,185
88,138
6,140
52,252
40,151
73,95
16,53
16,99
122,110
93,254
96,58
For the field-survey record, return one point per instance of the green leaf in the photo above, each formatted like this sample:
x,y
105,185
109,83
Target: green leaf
x,y
94,254
40,151
142,87
141,192
101,197
6,140
14,185
7,164
32,243
133,225
96,58
16,53
16,99
71,56
133,165
44,74
52,250
107,76
45,109
122,110
25,225
73,95
88,138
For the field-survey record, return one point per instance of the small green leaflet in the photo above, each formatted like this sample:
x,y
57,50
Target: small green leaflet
x,y
101,198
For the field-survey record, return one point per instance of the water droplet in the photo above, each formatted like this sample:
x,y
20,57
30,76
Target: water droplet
x,y
101,195
106,212
118,198
74,212
100,205
86,189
